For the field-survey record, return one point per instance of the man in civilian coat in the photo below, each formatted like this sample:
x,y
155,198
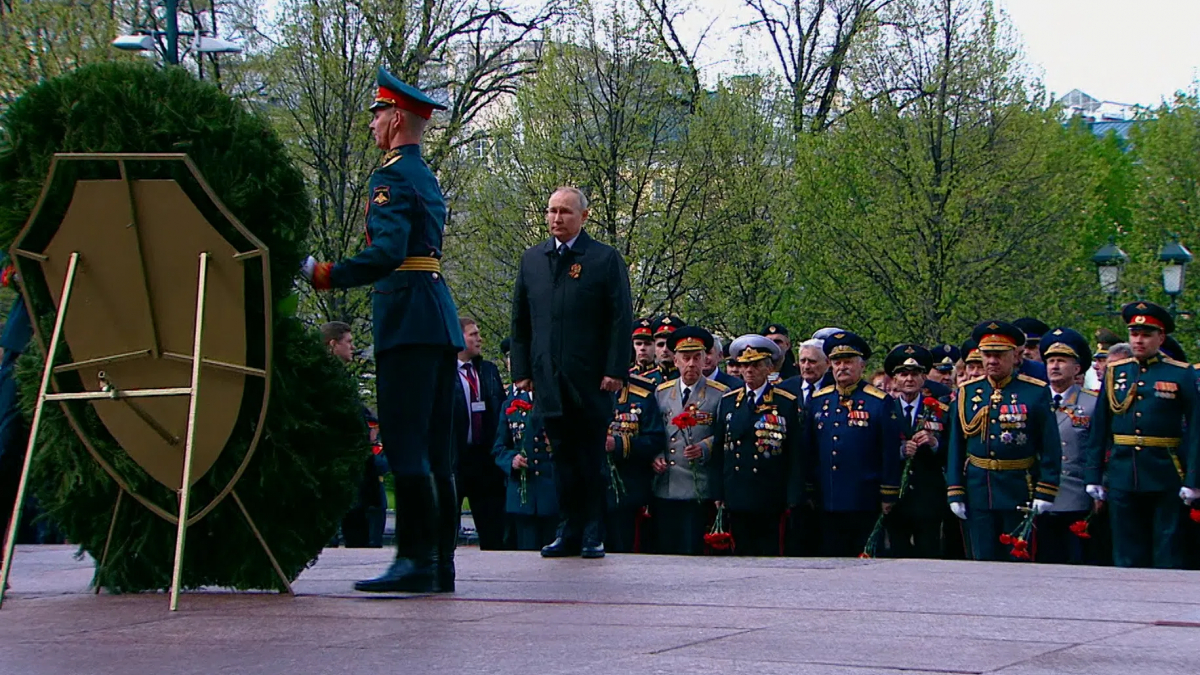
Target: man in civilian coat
x,y
571,322
479,399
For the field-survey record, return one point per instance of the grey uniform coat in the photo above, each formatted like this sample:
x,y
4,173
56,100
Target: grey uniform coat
x,y
678,481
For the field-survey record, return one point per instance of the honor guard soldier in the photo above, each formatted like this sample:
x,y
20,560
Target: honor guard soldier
x,y
915,525
644,358
756,469
635,437
1066,355
416,334
945,362
1004,444
663,327
1033,330
854,442
522,453
1146,431
689,407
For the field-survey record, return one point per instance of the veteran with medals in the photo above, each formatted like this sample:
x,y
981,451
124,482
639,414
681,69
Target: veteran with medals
x,y
757,472
635,437
1145,431
1004,444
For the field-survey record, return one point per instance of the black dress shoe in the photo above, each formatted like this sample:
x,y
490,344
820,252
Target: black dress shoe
x,y
560,549
592,551
403,577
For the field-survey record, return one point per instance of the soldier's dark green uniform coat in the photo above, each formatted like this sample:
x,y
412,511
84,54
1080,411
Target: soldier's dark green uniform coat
x,y
640,436
406,218
522,431
1149,401
994,429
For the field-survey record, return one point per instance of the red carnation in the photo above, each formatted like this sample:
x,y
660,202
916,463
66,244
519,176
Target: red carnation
x,y
377,449
864,555
931,404
522,405
1080,529
685,420
1194,514
1006,539
1020,545
1021,554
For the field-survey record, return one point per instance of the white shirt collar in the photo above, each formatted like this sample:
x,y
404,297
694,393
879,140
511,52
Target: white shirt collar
x,y
694,387
570,242
757,393
1065,394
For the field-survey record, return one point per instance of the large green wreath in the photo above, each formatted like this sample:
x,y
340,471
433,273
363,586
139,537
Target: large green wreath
x,y
302,477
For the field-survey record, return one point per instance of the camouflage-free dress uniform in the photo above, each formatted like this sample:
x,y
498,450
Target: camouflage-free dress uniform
x,y
638,437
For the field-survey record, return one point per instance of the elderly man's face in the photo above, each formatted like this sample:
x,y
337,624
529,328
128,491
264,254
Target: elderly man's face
x,y
565,215
690,365
1061,371
999,365
908,382
711,360
755,374
972,370
847,370
813,364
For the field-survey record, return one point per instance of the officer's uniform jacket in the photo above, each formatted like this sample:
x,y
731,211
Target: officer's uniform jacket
x,y
1074,417
654,374
854,448
639,435
1139,442
678,482
756,464
523,431
924,477
406,218
1004,444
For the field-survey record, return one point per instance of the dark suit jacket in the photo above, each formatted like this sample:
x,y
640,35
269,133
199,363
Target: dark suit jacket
x,y
492,393
571,325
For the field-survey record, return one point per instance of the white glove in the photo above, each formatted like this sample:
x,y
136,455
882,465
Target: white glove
x,y
1097,492
1188,495
308,267
1041,506
959,509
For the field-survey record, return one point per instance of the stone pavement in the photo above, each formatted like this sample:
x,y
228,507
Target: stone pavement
x,y
517,613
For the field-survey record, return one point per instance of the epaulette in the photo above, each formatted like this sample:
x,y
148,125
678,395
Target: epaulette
x,y
784,393
717,385
731,392
825,390
640,391
640,381
1128,359
1093,392
973,380
1196,366
1031,379
872,390
1177,364
666,385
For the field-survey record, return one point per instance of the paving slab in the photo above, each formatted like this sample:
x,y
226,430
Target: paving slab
x,y
517,613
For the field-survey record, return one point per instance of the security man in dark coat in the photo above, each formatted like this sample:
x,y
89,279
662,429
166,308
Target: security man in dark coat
x,y
416,333
636,436
479,401
521,452
778,333
854,446
571,322
757,471
1034,330
1143,445
915,525
1004,444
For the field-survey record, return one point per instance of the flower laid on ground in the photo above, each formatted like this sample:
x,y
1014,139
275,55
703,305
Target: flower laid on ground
x,y
718,539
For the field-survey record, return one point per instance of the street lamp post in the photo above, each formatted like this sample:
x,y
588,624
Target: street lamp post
x,y
1109,261
143,40
1175,258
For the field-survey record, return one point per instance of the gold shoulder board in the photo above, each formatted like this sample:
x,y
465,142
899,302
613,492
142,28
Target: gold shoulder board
x,y
667,385
872,390
634,389
1177,364
1122,361
784,393
826,390
1031,380
716,385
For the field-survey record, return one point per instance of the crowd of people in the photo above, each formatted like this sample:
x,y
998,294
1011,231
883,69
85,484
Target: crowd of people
x,y
760,447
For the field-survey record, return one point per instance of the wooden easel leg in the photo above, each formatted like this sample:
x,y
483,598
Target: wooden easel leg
x,y
263,542
112,525
185,489
10,540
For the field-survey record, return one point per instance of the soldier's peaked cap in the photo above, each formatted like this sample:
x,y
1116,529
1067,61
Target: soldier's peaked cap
x,y
393,92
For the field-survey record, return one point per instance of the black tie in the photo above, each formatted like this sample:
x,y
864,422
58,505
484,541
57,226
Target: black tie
x,y
807,391
687,391
908,411
1057,401
562,250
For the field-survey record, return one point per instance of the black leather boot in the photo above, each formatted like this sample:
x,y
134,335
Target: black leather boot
x,y
415,568
447,537
593,539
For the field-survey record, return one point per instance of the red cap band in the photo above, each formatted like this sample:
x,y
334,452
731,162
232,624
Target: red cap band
x,y
385,95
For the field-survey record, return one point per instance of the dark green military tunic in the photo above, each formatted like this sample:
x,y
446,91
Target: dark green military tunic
x,y
639,436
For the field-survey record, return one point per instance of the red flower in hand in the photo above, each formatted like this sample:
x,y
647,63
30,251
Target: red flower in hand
x,y
1020,545
1006,539
1194,515
685,420
522,405
1021,554
719,541
1080,529
932,405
